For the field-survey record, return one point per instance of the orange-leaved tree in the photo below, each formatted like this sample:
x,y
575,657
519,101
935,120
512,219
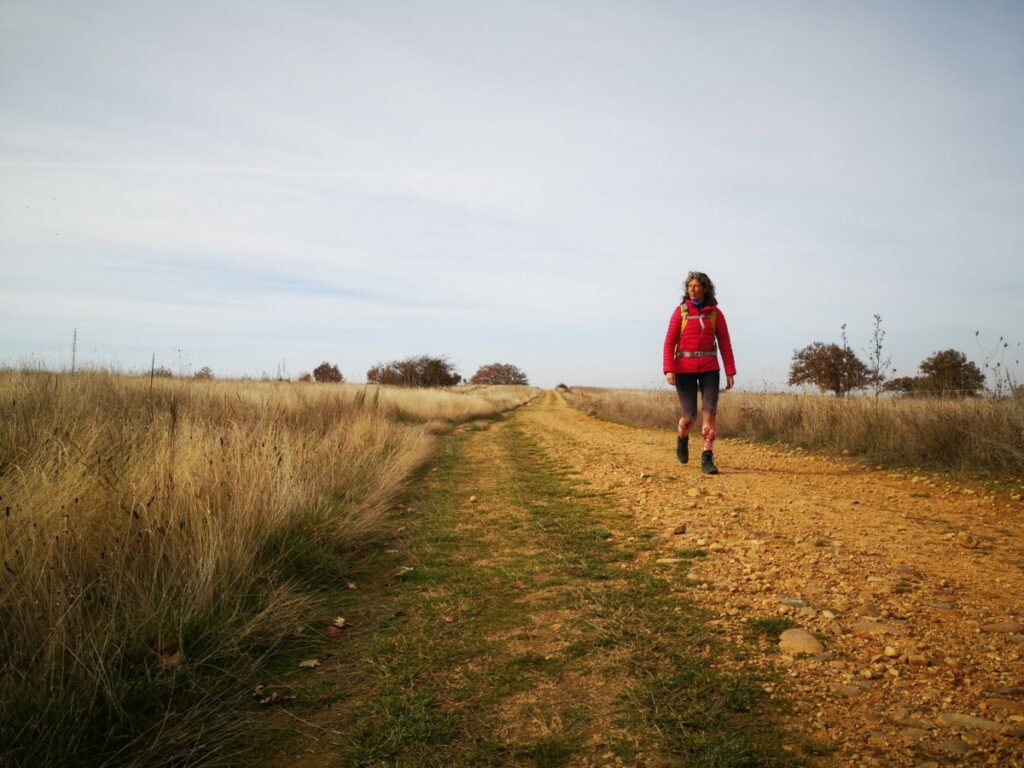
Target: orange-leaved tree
x,y
829,367
950,373
499,373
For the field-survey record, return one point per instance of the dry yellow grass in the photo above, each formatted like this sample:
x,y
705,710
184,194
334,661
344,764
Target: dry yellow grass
x,y
459,404
972,435
150,538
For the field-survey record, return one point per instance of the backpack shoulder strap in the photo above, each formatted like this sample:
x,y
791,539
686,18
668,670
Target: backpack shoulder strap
x,y
682,324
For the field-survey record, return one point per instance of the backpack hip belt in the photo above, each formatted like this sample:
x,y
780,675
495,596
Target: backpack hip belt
x,y
708,353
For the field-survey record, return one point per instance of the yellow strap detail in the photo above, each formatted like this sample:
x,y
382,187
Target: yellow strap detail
x,y
682,324
712,316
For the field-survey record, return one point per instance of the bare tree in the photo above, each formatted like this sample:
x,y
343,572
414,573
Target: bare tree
x,y
879,367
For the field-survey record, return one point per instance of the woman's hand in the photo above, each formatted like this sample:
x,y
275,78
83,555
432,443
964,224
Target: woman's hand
x,y
670,378
729,381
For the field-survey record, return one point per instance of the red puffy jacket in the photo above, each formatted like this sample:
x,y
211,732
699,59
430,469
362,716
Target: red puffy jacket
x,y
703,327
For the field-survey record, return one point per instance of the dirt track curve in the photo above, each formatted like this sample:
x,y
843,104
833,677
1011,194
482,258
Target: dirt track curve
x,y
914,586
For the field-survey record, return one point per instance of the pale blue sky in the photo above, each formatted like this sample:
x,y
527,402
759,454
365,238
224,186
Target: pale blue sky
x,y
525,182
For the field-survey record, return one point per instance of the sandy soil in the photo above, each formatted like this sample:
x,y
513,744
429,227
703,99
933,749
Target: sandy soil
x,y
913,586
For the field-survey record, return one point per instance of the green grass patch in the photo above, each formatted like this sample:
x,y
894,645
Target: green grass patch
x,y
672,699
770,626
691,553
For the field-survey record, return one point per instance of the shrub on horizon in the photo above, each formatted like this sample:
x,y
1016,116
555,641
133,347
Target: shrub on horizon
x,y
901,385
422,371
946,374
950,374
327,373
499,373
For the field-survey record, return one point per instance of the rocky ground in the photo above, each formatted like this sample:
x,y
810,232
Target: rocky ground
x,y
904,593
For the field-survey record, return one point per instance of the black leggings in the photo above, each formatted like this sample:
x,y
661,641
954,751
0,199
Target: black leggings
x,y
686,388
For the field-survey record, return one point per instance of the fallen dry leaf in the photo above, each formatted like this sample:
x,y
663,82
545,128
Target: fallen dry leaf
x,y
265,698
275,698
172,660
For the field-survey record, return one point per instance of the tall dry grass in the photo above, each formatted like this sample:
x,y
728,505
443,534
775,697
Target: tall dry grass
x,y
153,538
970,436
457,404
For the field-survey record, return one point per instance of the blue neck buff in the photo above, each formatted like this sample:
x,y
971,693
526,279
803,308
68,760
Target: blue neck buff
x,y
697,304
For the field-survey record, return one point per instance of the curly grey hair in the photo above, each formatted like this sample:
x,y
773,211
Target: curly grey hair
x,y
705,281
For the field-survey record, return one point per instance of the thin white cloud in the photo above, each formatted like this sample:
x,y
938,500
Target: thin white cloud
x,y
476,177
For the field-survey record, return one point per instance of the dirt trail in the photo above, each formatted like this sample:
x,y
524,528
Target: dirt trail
x,y
915,588
514,619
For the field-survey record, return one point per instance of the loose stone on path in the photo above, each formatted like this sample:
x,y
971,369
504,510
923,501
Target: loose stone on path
x,y
965,540
954,747
873,628
1004,627
968,721
798,641
793,602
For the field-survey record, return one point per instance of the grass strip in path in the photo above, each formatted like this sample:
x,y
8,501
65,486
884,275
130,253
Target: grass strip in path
x,y
516,630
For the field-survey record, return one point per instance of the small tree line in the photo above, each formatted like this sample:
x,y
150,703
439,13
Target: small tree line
x,y
416,371
836,368
422,371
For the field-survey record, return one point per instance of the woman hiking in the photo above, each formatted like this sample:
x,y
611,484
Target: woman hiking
x,y
696,331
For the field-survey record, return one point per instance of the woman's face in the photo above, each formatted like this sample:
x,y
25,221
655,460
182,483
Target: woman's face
x,y
695,290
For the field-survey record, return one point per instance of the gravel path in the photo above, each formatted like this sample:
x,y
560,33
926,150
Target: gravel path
x,y
913,586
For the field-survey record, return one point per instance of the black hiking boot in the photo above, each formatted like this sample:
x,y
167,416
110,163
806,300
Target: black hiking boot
x,y
683,449
707,463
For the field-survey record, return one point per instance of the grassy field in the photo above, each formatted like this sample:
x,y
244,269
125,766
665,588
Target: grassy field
x,y
969,436
161,543
164,544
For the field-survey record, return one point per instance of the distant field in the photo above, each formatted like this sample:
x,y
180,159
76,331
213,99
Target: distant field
x,y
160,544
971,435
